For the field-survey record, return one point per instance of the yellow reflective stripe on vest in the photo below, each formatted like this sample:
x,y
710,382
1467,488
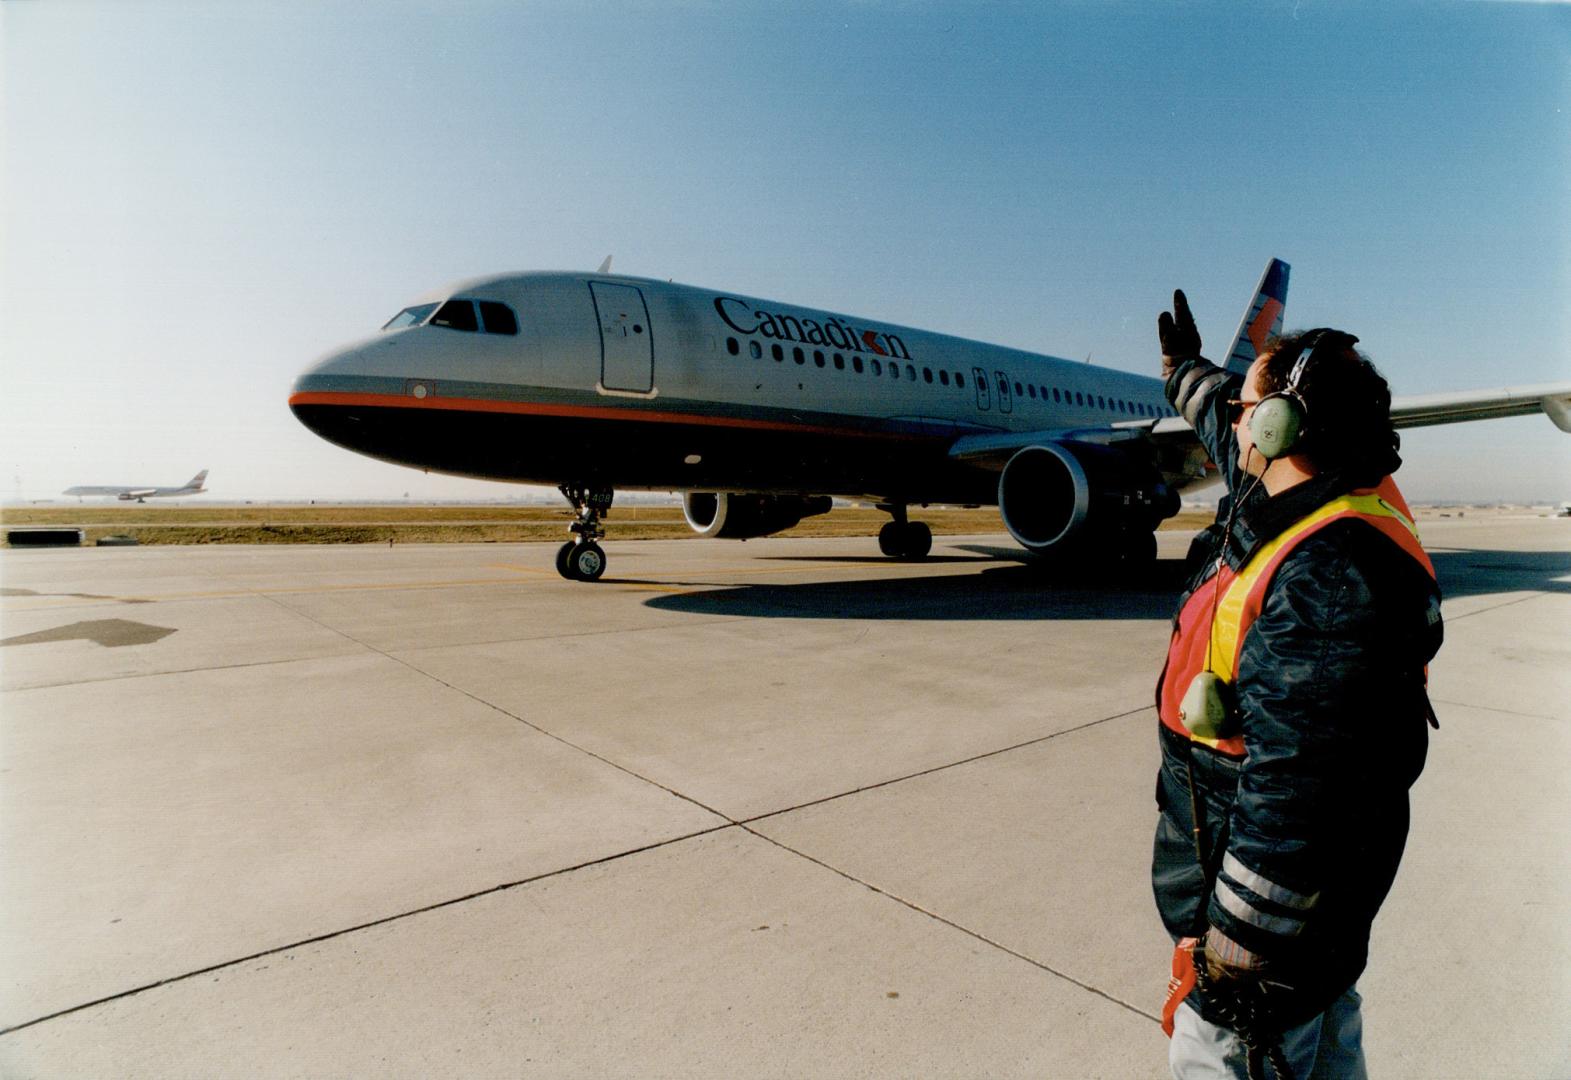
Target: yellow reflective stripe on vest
x,y
1225,629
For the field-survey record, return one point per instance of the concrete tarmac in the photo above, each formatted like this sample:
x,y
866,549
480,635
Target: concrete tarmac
x,y
777,809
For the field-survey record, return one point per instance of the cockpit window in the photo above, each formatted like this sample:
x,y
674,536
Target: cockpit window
x,y
499,318
410,316
456,315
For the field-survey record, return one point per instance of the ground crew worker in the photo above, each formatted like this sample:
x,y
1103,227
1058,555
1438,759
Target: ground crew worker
x,y
1293,710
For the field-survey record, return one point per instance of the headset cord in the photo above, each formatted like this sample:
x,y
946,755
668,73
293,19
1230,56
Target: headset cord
x,y
1258,1054
1196,826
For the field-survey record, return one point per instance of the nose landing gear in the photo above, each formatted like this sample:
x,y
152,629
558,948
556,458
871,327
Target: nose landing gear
x,y
581,558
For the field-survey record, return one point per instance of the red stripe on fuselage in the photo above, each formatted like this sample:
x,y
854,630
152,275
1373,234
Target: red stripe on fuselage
x,y
580,412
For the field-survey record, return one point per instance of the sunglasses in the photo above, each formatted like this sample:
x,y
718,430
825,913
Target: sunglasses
x,y
1236,407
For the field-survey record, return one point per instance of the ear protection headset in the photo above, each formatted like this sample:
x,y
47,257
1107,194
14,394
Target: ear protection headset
x,y
1279,420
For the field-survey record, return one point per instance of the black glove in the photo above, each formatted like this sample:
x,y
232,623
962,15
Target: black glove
x,y
1227,963
1244,994
1177,333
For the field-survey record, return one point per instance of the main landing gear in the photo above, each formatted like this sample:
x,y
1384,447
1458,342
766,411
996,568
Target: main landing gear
x,y
581,558
901,538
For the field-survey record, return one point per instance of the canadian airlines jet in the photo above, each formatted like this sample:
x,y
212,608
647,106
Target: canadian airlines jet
x,y
192,486
760,412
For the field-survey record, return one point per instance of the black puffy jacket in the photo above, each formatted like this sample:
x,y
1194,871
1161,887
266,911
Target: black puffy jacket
x,y
1304,835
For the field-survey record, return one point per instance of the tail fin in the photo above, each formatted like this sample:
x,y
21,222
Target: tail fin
x,y
198,480
1262,320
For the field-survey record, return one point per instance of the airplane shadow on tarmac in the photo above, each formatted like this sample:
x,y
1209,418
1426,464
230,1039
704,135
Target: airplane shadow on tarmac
x,y
1018,588
1009,589
1465,572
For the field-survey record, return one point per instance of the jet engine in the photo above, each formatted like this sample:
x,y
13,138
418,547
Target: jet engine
x,y
729,516
1082,497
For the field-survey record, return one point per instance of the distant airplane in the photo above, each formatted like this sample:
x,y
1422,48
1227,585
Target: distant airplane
x,y
760,411
192,486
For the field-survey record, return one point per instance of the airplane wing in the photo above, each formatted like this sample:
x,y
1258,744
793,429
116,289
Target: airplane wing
x,y
1551,399
1171,445
994,449
98,490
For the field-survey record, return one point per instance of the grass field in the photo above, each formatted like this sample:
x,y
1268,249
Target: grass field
x,y
403,524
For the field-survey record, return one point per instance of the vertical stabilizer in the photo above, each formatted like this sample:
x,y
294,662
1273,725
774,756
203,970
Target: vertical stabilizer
x,y
1262,320
197,481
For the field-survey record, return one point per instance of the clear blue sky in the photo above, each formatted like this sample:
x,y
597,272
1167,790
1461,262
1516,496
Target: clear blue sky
x,y
199,198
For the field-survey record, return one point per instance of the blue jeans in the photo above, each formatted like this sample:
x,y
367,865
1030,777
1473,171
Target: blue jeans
x,y
1329,1047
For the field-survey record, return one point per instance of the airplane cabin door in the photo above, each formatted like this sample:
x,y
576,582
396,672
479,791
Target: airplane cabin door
x,y
979,377
627,353
1006,403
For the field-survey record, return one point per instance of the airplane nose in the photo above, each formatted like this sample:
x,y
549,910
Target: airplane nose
x,y
324,395
347,360
360,367
352,395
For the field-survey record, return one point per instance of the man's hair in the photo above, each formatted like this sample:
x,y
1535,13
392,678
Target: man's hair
x,y
1348,404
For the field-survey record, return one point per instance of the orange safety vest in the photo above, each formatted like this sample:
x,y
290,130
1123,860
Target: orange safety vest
x,y
1236,598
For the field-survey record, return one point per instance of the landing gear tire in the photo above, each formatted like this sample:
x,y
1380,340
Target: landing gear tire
x,y
586,562
563,554
905,539
1141,549
889,538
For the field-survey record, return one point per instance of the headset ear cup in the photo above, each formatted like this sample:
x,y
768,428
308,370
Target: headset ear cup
x,y
1275,425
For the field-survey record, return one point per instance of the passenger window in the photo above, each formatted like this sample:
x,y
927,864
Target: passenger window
x,y
960,380
856,364
894,370
878,367
1032,391
1078,399
456,315
754,350
776,352
1019,390
1055,395
927,374
840,362
498,318
818,357
731,346
796,354
911,372
943,376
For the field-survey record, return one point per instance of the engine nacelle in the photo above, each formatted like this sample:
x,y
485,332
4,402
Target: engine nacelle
x,y
1059,496
727,515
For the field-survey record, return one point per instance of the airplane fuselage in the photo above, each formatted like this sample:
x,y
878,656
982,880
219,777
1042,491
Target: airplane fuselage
x,y
632,383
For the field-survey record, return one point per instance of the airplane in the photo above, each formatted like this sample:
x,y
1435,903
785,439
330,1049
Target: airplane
x,y
761,412
192,486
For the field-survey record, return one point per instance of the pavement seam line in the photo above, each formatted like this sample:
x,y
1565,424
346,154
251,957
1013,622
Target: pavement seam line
x,y
728,823
341,932
983,938
940,768
1497,709
1497,607
504,712
129,676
